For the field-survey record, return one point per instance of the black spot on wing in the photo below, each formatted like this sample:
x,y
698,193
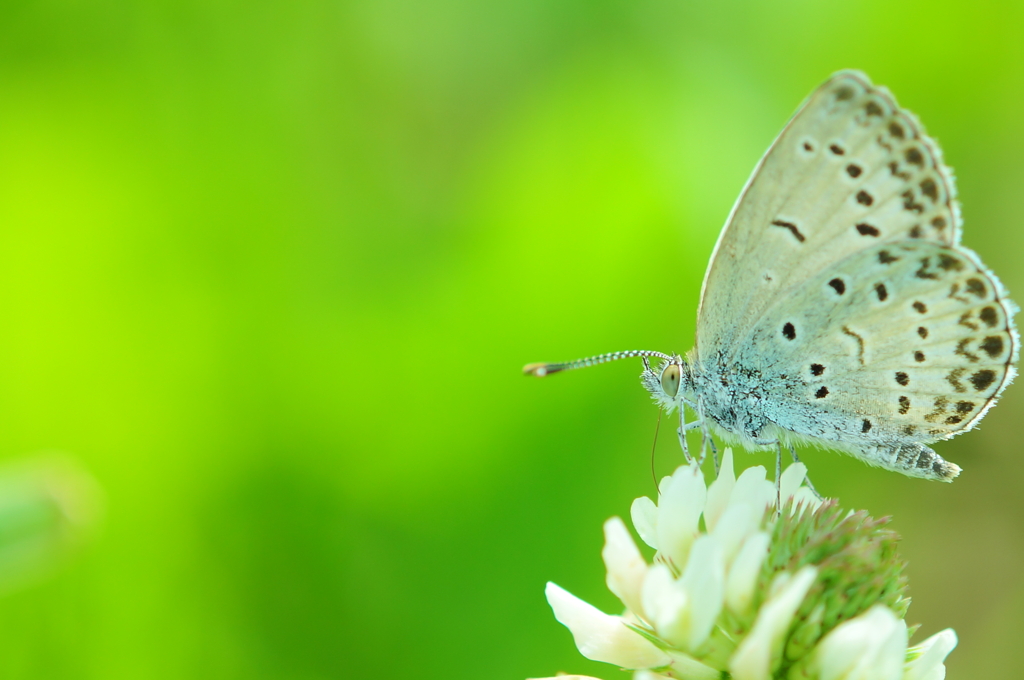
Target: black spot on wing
x,y
860,343
954,291
930,189
983,379
977,287
990,316
949,263
910,203
940,408
894,167
961,350
966,321
925,271
954,376
914,156
992,346
792,229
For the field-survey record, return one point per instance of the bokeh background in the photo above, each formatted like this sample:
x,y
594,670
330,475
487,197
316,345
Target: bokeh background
x,y
269,272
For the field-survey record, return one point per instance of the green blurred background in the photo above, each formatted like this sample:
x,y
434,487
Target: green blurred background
x,y
270,271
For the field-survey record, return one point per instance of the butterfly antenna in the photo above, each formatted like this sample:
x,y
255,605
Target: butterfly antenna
x,y
542,369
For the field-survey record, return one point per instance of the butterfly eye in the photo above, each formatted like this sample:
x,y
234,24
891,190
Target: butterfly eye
x,y
670,379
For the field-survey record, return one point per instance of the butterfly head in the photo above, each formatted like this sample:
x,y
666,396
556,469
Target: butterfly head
x,y
668,382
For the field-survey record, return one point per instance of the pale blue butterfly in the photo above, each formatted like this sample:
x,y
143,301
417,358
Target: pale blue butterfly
x,y
839,308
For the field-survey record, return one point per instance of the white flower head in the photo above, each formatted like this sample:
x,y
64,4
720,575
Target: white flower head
x,y
739,588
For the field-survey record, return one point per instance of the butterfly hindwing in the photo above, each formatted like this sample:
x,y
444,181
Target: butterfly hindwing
x,y
906,342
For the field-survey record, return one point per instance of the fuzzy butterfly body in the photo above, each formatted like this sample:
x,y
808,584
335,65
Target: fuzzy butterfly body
x,y
839,307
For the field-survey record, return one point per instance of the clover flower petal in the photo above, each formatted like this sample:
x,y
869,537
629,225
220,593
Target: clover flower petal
x,y
758,653
926,659
625,565
703,581
644,514
665,603
872,646
679,511
600,636
742,579
720,492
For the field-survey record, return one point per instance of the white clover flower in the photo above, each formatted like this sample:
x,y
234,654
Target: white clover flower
x,y
739,589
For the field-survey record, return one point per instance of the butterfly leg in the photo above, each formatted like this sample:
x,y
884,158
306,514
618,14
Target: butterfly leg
x,y
714,450
682,434
686,427
807,478
704,436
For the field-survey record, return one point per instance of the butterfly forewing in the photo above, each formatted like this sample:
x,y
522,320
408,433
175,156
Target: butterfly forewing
x,y
849,172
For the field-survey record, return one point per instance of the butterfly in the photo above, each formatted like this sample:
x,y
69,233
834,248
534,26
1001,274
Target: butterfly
x,y
839,308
